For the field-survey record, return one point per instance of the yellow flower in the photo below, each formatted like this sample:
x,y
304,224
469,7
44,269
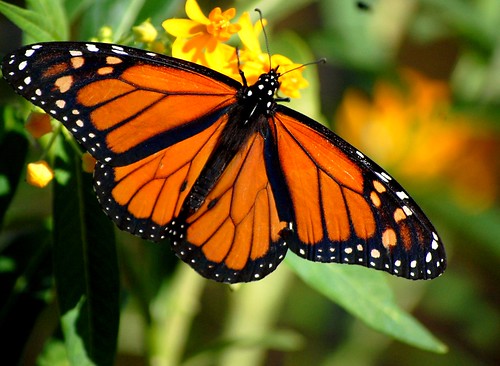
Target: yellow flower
x,y
39,174
254,62
38,124
145,32
198,39
417,134
105,35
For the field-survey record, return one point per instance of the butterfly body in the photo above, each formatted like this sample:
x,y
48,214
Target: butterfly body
x,y
230,176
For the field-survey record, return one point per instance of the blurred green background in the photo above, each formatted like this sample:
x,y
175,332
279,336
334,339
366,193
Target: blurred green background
x,y
414,84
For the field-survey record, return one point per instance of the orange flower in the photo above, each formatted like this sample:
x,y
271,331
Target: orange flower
x,y
88,162
417,134
200,39
38,124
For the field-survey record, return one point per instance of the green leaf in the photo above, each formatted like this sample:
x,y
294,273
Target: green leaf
x,y
54,14
46,22
85,264
14,145
119,15
365,294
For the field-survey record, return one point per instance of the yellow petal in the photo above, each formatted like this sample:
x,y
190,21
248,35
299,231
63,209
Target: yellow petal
x,y
247,35
222,58
191,49
194,12
184,28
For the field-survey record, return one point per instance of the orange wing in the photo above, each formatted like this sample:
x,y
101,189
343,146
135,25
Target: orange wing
x,y
346,208
144,196
120,103
235,236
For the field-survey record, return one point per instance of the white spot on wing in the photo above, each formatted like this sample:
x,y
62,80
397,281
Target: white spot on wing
x,y
407,211
402,195
92,47
428,257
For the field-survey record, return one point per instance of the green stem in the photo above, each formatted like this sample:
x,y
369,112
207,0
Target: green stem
x,y
253,310
172,312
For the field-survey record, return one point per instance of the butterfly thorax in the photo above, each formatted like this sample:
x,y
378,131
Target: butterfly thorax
x,y
256,103
260,96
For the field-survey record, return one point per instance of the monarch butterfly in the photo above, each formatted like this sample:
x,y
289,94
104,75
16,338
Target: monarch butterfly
x,y
233,178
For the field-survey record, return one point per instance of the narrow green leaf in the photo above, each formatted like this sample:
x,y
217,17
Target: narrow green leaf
x,y
54,11
131,11
14,145
85,264
365,294
119,15
39,26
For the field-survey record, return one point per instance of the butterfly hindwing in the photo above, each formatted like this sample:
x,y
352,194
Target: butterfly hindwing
x,y
354,211
144,196
236,233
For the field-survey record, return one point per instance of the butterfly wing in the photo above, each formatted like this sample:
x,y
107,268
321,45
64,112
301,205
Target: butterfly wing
x,y
122,104
153,122
346,208
235,235
150,120
143,197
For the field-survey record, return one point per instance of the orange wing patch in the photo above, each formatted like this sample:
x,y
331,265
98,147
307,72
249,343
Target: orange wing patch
x,y
334,205
134,115
238,221
154,188
174,81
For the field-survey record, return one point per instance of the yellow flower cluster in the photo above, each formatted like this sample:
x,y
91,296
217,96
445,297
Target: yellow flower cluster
x,y
202,40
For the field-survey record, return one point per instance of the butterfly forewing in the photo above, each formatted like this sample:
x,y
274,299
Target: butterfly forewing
x,y
122,104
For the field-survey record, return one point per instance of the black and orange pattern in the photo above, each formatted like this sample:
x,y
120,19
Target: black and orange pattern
x,y
231,177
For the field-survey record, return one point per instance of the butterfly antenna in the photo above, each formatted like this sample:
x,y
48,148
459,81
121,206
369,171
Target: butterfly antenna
x,y
265,35
317,62
242,74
